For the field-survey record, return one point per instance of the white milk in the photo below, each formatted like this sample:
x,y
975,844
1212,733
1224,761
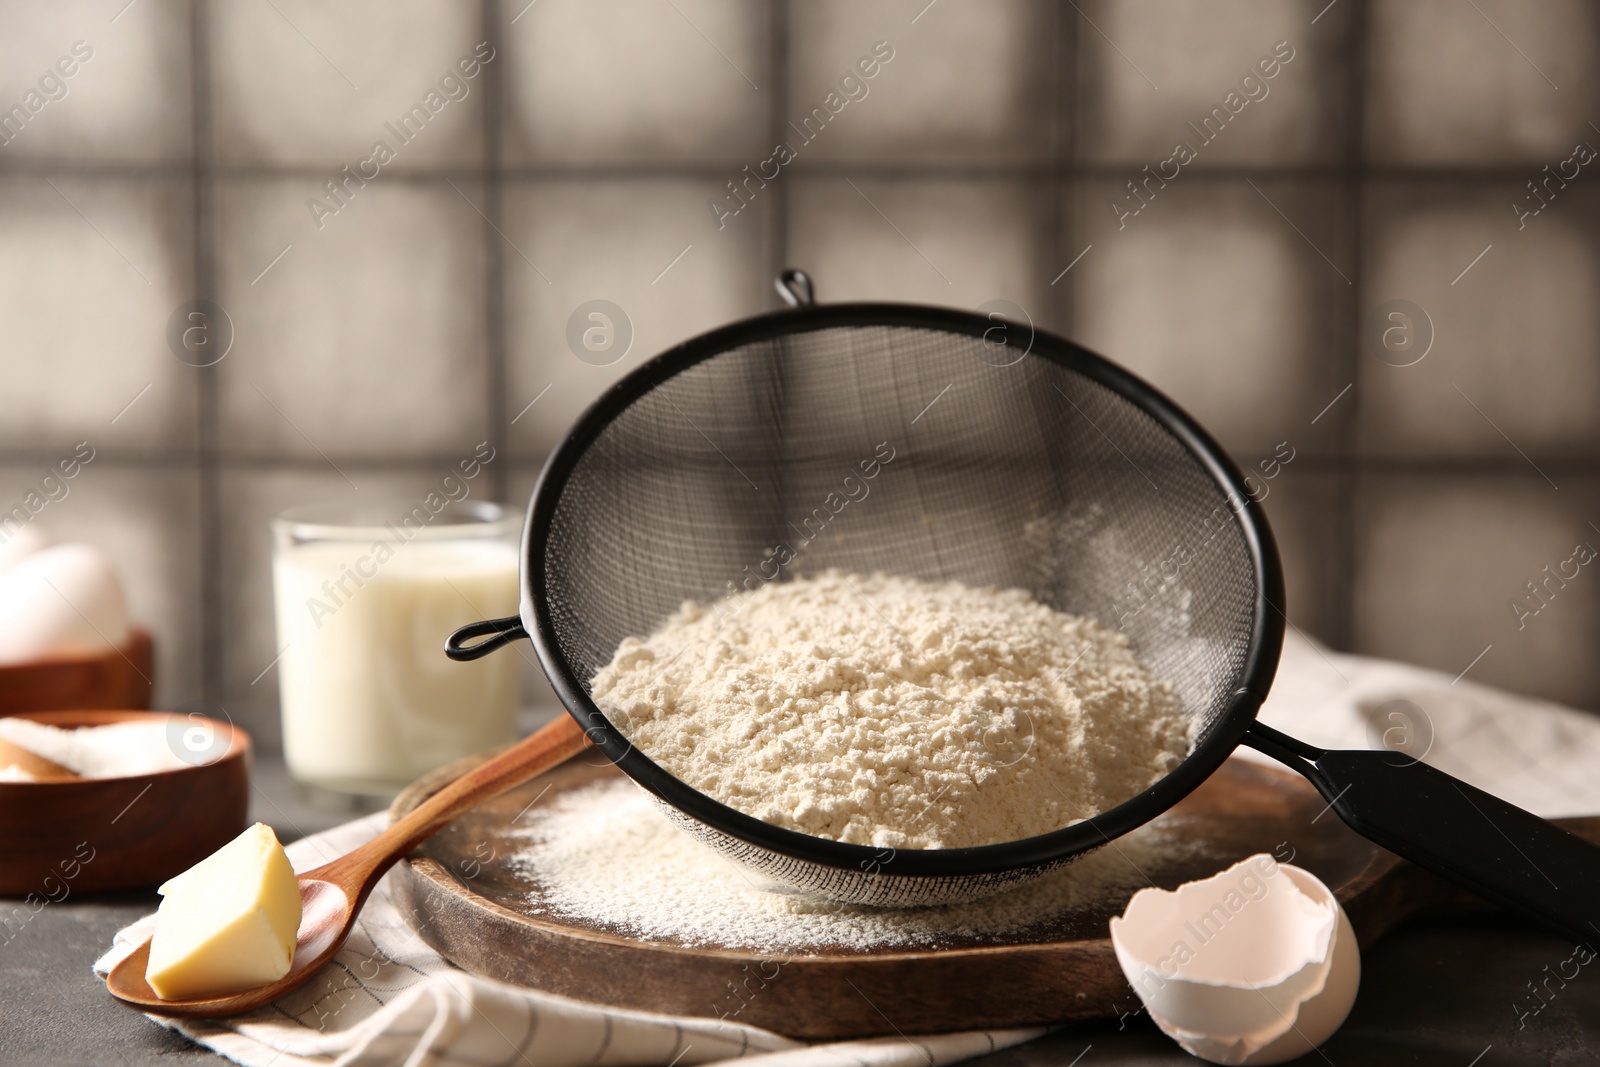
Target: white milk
x,y
370,701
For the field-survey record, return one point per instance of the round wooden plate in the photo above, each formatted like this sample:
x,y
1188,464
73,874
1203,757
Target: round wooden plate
x,y
1061,969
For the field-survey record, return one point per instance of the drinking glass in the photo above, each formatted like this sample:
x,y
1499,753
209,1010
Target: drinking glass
x,y
365,595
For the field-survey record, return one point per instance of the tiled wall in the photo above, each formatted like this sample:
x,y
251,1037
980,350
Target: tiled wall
x,y
376,345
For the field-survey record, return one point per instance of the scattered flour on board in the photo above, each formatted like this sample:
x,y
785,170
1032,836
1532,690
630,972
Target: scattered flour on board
x,y
892,712
605,855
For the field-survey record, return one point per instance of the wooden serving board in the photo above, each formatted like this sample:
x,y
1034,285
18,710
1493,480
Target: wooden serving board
x,y
1060,969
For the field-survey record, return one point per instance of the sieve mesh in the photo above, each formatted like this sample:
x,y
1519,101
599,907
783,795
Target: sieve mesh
x,y
913,447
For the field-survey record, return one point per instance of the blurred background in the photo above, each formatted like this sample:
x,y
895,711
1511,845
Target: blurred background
x,y
1369,272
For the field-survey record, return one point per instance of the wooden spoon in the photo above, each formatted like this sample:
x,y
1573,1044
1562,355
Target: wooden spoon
x,y
332,895
42,770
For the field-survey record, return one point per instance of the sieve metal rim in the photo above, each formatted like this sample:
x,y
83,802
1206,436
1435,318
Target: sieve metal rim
x,y
1259,664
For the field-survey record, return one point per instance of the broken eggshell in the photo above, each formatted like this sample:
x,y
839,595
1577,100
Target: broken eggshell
x,y
1255,965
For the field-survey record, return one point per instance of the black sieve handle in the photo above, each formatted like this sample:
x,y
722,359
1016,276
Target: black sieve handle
x,y
497,633
1497,850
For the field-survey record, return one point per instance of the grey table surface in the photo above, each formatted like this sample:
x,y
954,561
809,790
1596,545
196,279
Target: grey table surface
x,y
1457,993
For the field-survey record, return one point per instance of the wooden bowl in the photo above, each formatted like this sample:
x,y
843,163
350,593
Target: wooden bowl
x,y
93,835
116,679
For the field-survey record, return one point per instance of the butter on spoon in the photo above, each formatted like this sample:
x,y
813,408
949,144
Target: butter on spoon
x,y
227,923
331,895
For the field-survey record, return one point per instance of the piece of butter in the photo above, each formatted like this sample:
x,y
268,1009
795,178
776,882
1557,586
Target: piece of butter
x,y
227,923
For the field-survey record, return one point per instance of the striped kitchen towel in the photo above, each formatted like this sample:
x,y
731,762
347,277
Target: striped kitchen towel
x,y
388,998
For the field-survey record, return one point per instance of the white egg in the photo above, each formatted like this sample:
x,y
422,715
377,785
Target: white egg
x,y
23,542
1255,965
58,602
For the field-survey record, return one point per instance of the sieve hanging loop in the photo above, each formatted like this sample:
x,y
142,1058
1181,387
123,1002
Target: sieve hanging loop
x,y
503,631
795,288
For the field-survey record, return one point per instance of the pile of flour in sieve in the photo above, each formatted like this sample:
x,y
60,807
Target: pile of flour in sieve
x,y
605,855
897,713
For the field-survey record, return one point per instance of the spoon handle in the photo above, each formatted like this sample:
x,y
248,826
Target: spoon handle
x,y
31,762
533,755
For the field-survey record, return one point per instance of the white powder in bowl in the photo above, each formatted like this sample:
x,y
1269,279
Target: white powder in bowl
x,y
897,713
604,855
117,750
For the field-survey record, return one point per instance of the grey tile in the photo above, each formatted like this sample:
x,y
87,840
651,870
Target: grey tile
x,y
147,521
950,242
956,82
635,81
301,83
91,270
251,497
1441,562
367,337
618,240
1154,71
925,240
1481,83
1228,298
126,98
1299,502
1514,338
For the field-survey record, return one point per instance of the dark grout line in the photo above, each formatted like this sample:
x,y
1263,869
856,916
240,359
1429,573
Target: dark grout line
x,y
778,215
717,170
209,402
1575,467
496,299
775,254
1512,466
173,461
1348,495
1062,215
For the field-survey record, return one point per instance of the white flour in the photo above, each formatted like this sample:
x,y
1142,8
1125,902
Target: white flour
x,y
896,713
605,855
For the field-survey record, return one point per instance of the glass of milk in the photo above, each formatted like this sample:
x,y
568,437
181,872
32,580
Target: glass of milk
x,y
365,596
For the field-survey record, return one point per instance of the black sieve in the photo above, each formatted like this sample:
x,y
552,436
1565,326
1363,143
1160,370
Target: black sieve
x,y
999,455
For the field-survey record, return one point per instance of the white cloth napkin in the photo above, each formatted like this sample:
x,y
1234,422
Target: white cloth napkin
x,y
1537,755
390,999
